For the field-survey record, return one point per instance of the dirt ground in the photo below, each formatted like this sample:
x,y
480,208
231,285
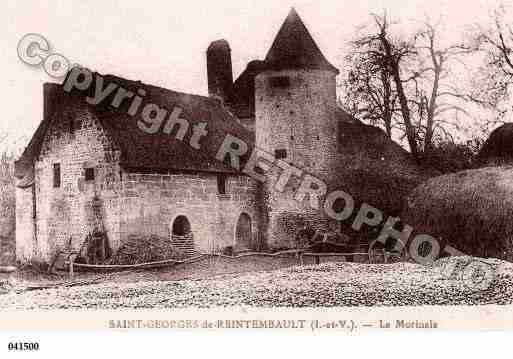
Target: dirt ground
x,y
206,268
324,285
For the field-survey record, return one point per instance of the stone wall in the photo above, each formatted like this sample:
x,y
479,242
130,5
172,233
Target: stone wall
x,y
75,142
131,203
301,119
25,239
286,216
151,203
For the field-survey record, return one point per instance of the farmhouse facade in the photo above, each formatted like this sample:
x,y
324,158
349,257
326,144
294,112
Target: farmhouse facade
x,y
91,173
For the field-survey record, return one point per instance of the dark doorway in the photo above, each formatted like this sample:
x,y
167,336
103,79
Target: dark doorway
x,y
243,232
182,236
181,226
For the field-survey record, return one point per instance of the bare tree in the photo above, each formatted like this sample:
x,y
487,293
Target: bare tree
x,y
407,82
494,79
439,92
7,208
368,90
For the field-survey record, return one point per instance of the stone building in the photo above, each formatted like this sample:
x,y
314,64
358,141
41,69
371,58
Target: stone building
x,y
91,170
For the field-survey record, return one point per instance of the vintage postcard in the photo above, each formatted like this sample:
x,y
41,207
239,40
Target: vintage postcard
x,y
308,166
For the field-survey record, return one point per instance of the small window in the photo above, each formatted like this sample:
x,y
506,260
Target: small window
x,y
279,154
76,123
221,184
56,175
89,174
280,81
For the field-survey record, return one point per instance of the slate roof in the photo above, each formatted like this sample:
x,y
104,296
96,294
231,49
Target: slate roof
x,y
365,151
294,48
242,102
140,150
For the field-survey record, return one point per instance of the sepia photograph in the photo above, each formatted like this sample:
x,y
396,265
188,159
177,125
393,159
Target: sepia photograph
x,y
247,162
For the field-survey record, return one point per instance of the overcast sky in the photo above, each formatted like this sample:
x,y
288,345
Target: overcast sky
x,y
164,42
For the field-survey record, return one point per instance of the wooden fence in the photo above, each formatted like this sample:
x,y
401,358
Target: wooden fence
x,y
299,253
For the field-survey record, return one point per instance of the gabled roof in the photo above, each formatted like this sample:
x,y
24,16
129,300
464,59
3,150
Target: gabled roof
x,y
294,48
164,151
141,150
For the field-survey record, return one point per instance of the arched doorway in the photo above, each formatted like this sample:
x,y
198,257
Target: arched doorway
x,y
181,226
243,232
182,236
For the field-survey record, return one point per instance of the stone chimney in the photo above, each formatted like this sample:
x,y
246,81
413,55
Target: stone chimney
x,y
219,70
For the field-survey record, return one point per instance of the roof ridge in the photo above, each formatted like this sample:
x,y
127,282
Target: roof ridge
x,y
136,82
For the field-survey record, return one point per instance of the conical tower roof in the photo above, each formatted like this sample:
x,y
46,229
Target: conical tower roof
x,y
294,48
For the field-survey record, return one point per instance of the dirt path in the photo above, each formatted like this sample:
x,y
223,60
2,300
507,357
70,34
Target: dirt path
x,y
333,284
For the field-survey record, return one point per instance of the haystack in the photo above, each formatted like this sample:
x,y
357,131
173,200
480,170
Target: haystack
x,y
470,210
375,170
498,148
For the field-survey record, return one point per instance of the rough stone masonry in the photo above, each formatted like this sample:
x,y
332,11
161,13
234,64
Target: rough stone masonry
x,y
88,154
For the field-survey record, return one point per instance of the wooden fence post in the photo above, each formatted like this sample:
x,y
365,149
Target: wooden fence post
x,y
71,269
72,259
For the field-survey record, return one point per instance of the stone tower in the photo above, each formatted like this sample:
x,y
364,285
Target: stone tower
x,y
295,114
219,70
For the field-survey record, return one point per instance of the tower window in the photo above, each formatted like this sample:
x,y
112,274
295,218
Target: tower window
x,y
280,153
89,174
279,81
56,175
221,184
